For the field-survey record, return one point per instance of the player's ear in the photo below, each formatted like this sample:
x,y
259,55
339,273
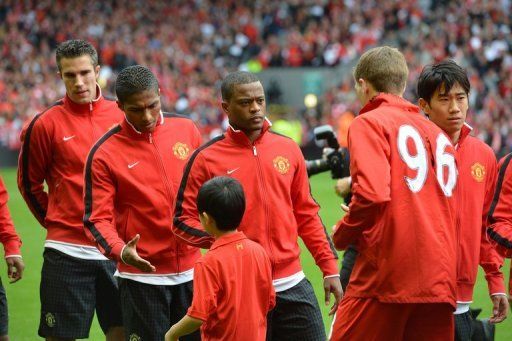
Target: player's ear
x,y
424,106
225,107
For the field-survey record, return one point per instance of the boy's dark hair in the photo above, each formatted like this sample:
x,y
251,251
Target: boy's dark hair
x,y
235,78
223,199
134,79
74,49
446,72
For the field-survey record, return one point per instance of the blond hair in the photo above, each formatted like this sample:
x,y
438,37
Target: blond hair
x,y
384,68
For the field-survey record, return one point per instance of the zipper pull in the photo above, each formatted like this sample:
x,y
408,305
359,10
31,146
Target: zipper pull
x,y
150,138
90,107
254,150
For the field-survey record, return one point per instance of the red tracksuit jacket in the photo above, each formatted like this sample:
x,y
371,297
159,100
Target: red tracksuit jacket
x,y
500,213
8,236
279,206
131,181
401,218
54,148
477,176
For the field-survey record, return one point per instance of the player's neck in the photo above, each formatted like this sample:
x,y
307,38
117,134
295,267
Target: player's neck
x,y
454,137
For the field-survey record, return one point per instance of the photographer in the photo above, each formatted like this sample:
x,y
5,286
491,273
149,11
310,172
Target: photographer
x,y
337,160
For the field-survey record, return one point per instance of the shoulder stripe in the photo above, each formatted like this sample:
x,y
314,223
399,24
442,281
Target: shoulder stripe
x,y
179,200
499,185
88,190
27,187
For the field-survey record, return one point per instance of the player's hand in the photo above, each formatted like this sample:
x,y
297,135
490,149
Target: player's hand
x,y
332,285
500,308
345,208
15,267
342,187
131,257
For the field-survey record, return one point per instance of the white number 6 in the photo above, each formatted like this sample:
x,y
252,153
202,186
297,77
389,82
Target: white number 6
x,y
419,161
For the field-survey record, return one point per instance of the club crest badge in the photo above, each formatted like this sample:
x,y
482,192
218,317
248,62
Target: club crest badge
x,y
478,172
281,164
134,337
181,150
50,319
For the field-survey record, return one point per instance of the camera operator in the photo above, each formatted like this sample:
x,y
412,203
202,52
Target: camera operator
x,y
337,160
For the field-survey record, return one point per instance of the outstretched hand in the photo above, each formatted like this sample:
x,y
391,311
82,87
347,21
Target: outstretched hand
x,y
131,257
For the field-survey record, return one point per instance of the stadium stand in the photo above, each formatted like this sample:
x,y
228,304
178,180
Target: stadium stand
x,y
191,45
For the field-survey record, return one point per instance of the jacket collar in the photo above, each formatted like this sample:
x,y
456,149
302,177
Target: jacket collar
x,y
133,132
384,99
84,109
228,239
464,132
239,136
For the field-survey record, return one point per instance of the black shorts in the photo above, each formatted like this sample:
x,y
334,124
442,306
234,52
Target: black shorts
x,y
463,326
71,290
296,315
150,310
4,317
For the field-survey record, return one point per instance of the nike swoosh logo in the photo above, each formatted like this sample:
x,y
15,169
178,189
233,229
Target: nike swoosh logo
x,y
232,170
67,138
131,165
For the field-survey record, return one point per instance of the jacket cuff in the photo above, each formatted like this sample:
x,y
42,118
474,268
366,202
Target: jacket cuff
x,y
329,267
116,251
496,285
12,248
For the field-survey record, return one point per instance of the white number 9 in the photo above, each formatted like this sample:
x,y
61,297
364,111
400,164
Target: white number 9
x,y
419,162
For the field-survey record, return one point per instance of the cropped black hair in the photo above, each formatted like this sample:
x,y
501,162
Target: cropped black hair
x,y
235,78
134,79
223,199
446,72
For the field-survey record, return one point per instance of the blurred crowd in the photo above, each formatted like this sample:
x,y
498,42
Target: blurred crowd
x,y
192,44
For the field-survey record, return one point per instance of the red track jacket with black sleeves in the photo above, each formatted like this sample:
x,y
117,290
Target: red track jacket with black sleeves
x,y
131,180
279,206
401,215
55,146
500,213
477,167
8,236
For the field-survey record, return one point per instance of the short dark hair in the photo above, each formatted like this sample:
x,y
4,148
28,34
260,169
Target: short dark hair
x,y
446,72
134,79
223,199
235,78
76,48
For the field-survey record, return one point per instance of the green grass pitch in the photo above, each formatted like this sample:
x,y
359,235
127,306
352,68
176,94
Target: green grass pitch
x,y
23,297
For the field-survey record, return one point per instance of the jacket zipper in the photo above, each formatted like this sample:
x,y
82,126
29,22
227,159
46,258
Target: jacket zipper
x,y
265,204
167,186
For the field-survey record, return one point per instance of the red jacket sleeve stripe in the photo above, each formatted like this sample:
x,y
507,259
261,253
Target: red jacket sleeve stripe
x,y
194,232
88,191
37,208
501,240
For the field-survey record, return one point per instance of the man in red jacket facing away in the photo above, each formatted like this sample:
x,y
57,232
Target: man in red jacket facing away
x,y
233,289
280,208
15,266
401,215
443,89
132,176
76,278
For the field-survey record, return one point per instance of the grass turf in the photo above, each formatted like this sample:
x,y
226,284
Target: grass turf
x,y
23,297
